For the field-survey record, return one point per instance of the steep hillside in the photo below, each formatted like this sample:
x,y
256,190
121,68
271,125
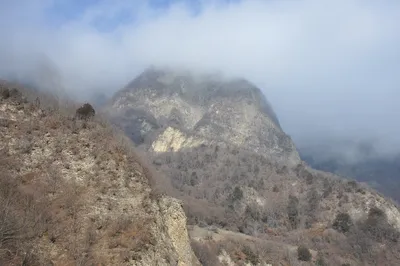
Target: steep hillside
x,y
248,197
210,108
73,192
244,192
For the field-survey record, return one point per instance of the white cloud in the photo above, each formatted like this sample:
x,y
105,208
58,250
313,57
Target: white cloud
x,y
331,66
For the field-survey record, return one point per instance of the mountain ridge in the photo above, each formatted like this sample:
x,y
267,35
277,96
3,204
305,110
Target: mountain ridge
x,y
232,110
242,206
235,170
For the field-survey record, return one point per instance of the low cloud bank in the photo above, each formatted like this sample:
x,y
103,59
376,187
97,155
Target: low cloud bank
x,y
329,68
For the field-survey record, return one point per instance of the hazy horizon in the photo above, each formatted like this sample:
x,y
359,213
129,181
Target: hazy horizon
x,y
330,69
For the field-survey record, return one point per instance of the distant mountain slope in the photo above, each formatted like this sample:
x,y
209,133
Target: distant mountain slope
x,y
241,191
204,106
221,150
361,162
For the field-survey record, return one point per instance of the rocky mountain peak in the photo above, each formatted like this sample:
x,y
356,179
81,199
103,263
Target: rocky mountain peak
x,y
201,88
209,107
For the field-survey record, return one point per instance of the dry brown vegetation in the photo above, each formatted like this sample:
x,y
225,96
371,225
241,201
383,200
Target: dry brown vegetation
x,y
72,192
240,197
270,201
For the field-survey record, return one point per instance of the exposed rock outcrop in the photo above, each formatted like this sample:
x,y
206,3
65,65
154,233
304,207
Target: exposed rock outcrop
x,y
175,222
221,147
201,109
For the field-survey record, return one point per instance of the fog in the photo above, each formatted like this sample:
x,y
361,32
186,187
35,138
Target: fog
x,y
331,69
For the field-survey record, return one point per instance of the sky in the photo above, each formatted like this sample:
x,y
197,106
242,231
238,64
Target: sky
x,y
330,68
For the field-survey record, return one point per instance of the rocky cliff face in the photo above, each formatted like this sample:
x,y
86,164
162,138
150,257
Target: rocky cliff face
x,y
175,222
74,193
182,110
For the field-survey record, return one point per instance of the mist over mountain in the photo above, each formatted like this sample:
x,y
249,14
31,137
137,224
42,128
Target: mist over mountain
x,y
356,160
328,68
219,147
210,107
247,101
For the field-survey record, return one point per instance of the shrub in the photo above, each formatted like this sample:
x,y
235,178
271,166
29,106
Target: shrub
x,y
252,211
313,200
23,217
237,194
352,184
293,211
377,226
342,222
328,188
320,260
86,111
15,93
360,190
309,178
4,93
303,253
251,256
376,214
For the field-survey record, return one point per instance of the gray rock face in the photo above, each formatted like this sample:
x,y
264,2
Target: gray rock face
x,y
204,107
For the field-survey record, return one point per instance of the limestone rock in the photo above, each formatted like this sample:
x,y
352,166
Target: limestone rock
x,y
175,222
189,109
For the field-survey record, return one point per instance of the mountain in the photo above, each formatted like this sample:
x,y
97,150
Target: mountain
x,y
209,108
359,161
74,192
217,145
213,180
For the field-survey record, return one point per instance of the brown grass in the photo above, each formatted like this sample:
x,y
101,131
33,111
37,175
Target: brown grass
x,y
49,189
